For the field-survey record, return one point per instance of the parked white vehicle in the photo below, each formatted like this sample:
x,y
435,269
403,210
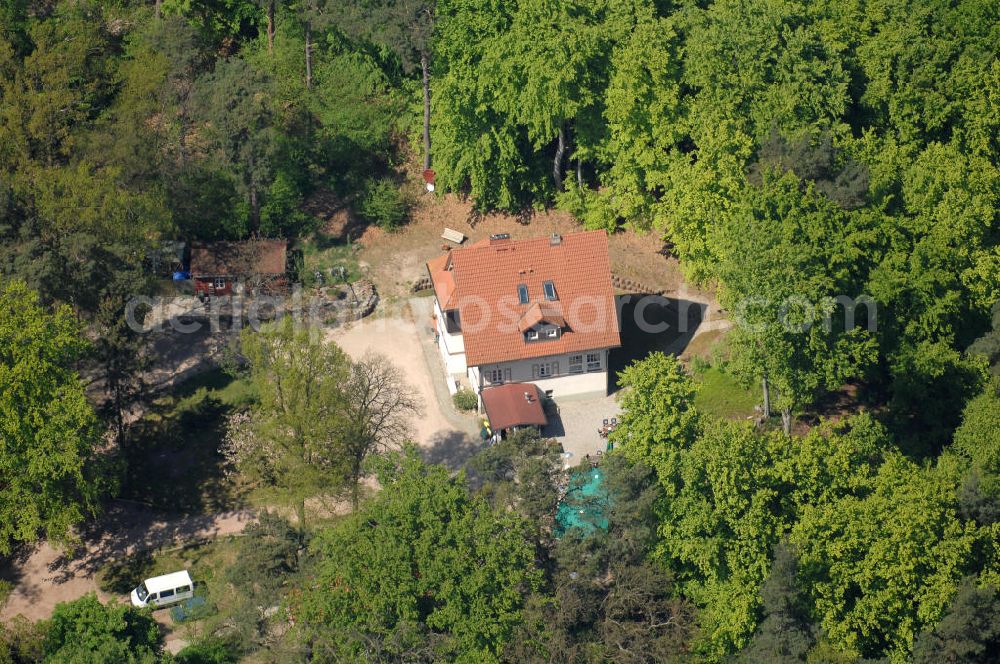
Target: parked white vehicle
x,y
164,590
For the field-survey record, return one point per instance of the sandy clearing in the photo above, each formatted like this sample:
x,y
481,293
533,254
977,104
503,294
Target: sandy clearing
x,y
397,336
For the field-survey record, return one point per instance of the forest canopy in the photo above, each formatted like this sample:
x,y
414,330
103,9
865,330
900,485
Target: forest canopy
x,y
829,169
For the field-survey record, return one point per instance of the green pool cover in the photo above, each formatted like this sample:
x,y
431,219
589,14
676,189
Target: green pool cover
x,y
585,504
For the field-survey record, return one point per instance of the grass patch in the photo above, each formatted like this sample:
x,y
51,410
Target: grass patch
x,y
721,395
174,462
323,254
207,563
705,346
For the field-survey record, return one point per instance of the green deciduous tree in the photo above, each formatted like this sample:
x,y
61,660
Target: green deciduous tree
x,y
868,594
784,261
719,519
423,570
645,120
658,419
87,631
290,437
930,279
48,430
731,494
977,442
762,66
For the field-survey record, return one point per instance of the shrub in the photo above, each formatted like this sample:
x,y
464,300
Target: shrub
x,y
699,364
211,651
465,399
281,216
6,588
383,204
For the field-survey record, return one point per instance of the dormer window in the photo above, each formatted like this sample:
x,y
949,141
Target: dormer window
x,y
542,332
549,289
522,293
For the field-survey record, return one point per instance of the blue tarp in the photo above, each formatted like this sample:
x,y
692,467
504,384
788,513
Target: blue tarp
x,y
188,609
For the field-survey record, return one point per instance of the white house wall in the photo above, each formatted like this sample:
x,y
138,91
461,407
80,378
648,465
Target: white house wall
x,y
563,384
452,346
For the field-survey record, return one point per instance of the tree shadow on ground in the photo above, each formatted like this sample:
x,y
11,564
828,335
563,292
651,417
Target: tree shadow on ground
x,y
451,449
12,565
173,461
339,221
124,539
651,323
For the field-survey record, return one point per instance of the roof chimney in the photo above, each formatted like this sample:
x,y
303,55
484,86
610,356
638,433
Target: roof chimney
x,y
555,240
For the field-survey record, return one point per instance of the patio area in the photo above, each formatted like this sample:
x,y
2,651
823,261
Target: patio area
x,y
577,425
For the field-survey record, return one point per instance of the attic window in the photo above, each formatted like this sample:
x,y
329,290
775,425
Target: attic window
x,y
522,293
550,291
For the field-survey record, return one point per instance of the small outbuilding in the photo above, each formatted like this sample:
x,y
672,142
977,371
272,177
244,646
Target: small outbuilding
x,y
514,406
217,267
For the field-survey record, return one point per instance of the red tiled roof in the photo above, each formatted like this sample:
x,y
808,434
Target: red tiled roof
x,y
442,279
540,312
514,405
238,258
486,276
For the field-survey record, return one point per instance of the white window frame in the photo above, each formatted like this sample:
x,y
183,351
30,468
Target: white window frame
x,y
552,332
219,282
576,364
545,370
498,376
593,362
532,335
522,294
549,291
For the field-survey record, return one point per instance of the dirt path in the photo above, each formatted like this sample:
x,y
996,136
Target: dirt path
x,y
45,575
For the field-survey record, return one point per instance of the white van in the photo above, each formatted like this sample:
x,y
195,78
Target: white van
x,y
164,590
